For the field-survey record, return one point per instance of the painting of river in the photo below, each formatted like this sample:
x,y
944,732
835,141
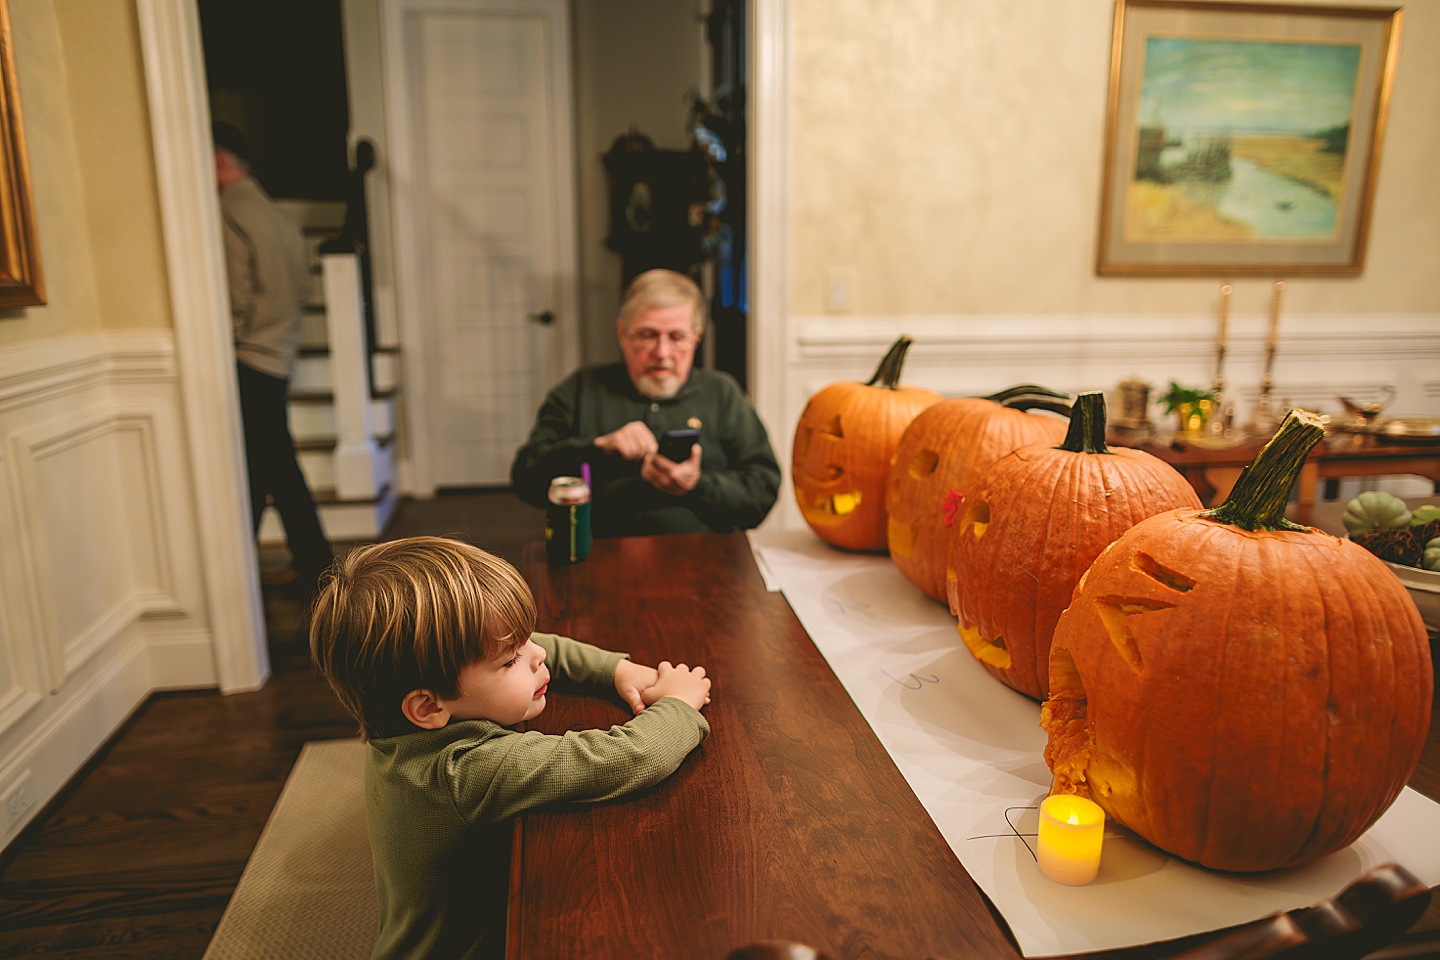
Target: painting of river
x,y
1241,140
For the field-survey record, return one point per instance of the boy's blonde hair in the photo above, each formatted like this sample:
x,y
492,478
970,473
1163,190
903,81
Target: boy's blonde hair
x,y
410,614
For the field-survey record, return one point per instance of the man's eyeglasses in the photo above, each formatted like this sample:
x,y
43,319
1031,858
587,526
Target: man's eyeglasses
x,y
648,338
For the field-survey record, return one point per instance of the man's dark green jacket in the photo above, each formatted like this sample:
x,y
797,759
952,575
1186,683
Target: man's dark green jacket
x,y
739,477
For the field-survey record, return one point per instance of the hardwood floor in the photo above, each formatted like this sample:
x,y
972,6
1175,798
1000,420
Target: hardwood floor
x,y
137,858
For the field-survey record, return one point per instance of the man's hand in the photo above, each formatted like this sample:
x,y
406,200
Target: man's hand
x,y
667,476
634,441
630,680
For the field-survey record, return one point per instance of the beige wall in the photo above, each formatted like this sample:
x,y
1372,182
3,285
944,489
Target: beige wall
x,y
634,62
82,92
946,159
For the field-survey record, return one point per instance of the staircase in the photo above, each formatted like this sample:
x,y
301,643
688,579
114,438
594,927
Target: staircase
x,y
342,395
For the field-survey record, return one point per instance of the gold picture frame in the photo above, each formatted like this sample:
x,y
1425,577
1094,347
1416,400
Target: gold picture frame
x,y
21,282
1243,139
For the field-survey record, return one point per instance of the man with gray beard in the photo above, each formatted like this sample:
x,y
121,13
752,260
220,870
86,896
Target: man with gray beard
x,y
610,417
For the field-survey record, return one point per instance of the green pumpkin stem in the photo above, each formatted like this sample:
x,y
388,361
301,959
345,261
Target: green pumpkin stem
x,y
1087,425
1257,502
1028,390
887,375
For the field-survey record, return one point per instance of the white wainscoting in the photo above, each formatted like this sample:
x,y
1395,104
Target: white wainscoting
x,y
1318,358
102,599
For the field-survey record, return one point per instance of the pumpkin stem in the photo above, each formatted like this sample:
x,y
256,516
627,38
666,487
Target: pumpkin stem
x,y
887,374
1257,501
1030,390
1087,425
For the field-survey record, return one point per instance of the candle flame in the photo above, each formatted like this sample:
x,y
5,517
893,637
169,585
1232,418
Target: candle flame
x,y
1073,818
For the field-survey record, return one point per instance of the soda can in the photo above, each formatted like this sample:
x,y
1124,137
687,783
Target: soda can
x,y
567,520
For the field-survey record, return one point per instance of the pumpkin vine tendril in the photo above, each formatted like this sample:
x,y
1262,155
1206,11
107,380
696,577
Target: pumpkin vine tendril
x,y
1087,425
1257,501
887,374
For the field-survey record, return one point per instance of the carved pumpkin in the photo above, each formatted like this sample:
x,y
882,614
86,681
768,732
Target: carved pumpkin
x,y
1241,691
1032,523
937,455
842,450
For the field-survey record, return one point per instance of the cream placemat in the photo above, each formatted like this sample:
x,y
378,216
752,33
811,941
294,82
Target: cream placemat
x,y
308,892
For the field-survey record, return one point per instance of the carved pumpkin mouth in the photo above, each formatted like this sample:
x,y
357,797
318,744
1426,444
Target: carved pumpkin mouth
x,y
988,651
902,537
831,508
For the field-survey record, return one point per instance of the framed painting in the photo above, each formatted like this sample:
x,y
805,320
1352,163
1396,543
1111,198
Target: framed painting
x,y
21,283
1243,139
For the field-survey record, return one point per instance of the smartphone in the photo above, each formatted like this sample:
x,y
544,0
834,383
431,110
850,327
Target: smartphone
x,y
675,444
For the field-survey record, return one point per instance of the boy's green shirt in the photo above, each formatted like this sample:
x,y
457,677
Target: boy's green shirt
x,y
436,802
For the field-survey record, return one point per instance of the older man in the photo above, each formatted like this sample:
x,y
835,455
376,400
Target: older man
x,y
611,417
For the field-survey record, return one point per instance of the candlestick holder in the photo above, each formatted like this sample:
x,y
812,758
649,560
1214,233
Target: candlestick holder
x,y
1264,419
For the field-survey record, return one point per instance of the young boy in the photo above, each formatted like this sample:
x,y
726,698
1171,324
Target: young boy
x,y
428,643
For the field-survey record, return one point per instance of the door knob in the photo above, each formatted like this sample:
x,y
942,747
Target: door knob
x,y
544,317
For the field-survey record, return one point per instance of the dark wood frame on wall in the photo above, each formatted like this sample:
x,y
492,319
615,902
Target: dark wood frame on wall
x,y
21,282
1130,246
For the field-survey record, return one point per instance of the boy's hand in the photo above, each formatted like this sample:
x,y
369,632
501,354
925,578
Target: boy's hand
x,y
630,680
687,683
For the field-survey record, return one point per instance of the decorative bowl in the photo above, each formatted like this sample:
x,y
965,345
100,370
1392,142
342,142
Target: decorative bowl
x,y
1424,587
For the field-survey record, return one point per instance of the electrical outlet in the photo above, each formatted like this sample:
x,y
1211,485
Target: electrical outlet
x,y
16,802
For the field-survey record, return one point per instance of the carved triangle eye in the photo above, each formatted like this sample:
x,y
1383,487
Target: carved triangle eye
x,y
833,427
923,464
1115,614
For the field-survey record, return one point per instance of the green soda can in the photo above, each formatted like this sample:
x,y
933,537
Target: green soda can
x,y
567,520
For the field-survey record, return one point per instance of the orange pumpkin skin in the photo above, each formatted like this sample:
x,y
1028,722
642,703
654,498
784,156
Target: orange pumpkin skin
x,y
1244,700
937,455
843,444
1030,526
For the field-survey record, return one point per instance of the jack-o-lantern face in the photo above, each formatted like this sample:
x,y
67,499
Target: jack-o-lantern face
x,y
823,477
1031,525
935,458
1245,693
842,450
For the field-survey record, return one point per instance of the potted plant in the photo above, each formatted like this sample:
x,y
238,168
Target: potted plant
x,y
1191,406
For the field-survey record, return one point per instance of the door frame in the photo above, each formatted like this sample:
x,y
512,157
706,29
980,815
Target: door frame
x,y
418,478
190,222
768,333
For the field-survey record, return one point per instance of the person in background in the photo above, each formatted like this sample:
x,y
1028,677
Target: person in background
x,y
610,417
429,644
269,279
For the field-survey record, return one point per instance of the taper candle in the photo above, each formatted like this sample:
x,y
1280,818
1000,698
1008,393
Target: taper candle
x,y
1072,830
1225,291
1274,336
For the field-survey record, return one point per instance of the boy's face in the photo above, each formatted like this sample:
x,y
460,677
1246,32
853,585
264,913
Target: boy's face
x,y
506,690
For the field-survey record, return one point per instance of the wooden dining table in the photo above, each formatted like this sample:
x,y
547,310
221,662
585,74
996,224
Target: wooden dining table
x,y
790,822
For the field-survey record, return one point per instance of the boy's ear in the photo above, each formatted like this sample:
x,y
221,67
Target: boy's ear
x,y
422,708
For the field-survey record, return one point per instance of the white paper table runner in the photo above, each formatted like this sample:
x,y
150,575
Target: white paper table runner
x,y
971,749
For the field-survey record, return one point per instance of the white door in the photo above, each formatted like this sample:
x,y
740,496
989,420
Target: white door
x,y
479,93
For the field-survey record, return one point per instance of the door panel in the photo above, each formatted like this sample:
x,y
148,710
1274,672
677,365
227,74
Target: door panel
x,y
492,227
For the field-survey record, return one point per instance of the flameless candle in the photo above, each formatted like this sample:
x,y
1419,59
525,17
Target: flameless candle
x,y
1071,832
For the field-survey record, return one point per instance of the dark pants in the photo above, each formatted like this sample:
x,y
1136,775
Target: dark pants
x,y
275,473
